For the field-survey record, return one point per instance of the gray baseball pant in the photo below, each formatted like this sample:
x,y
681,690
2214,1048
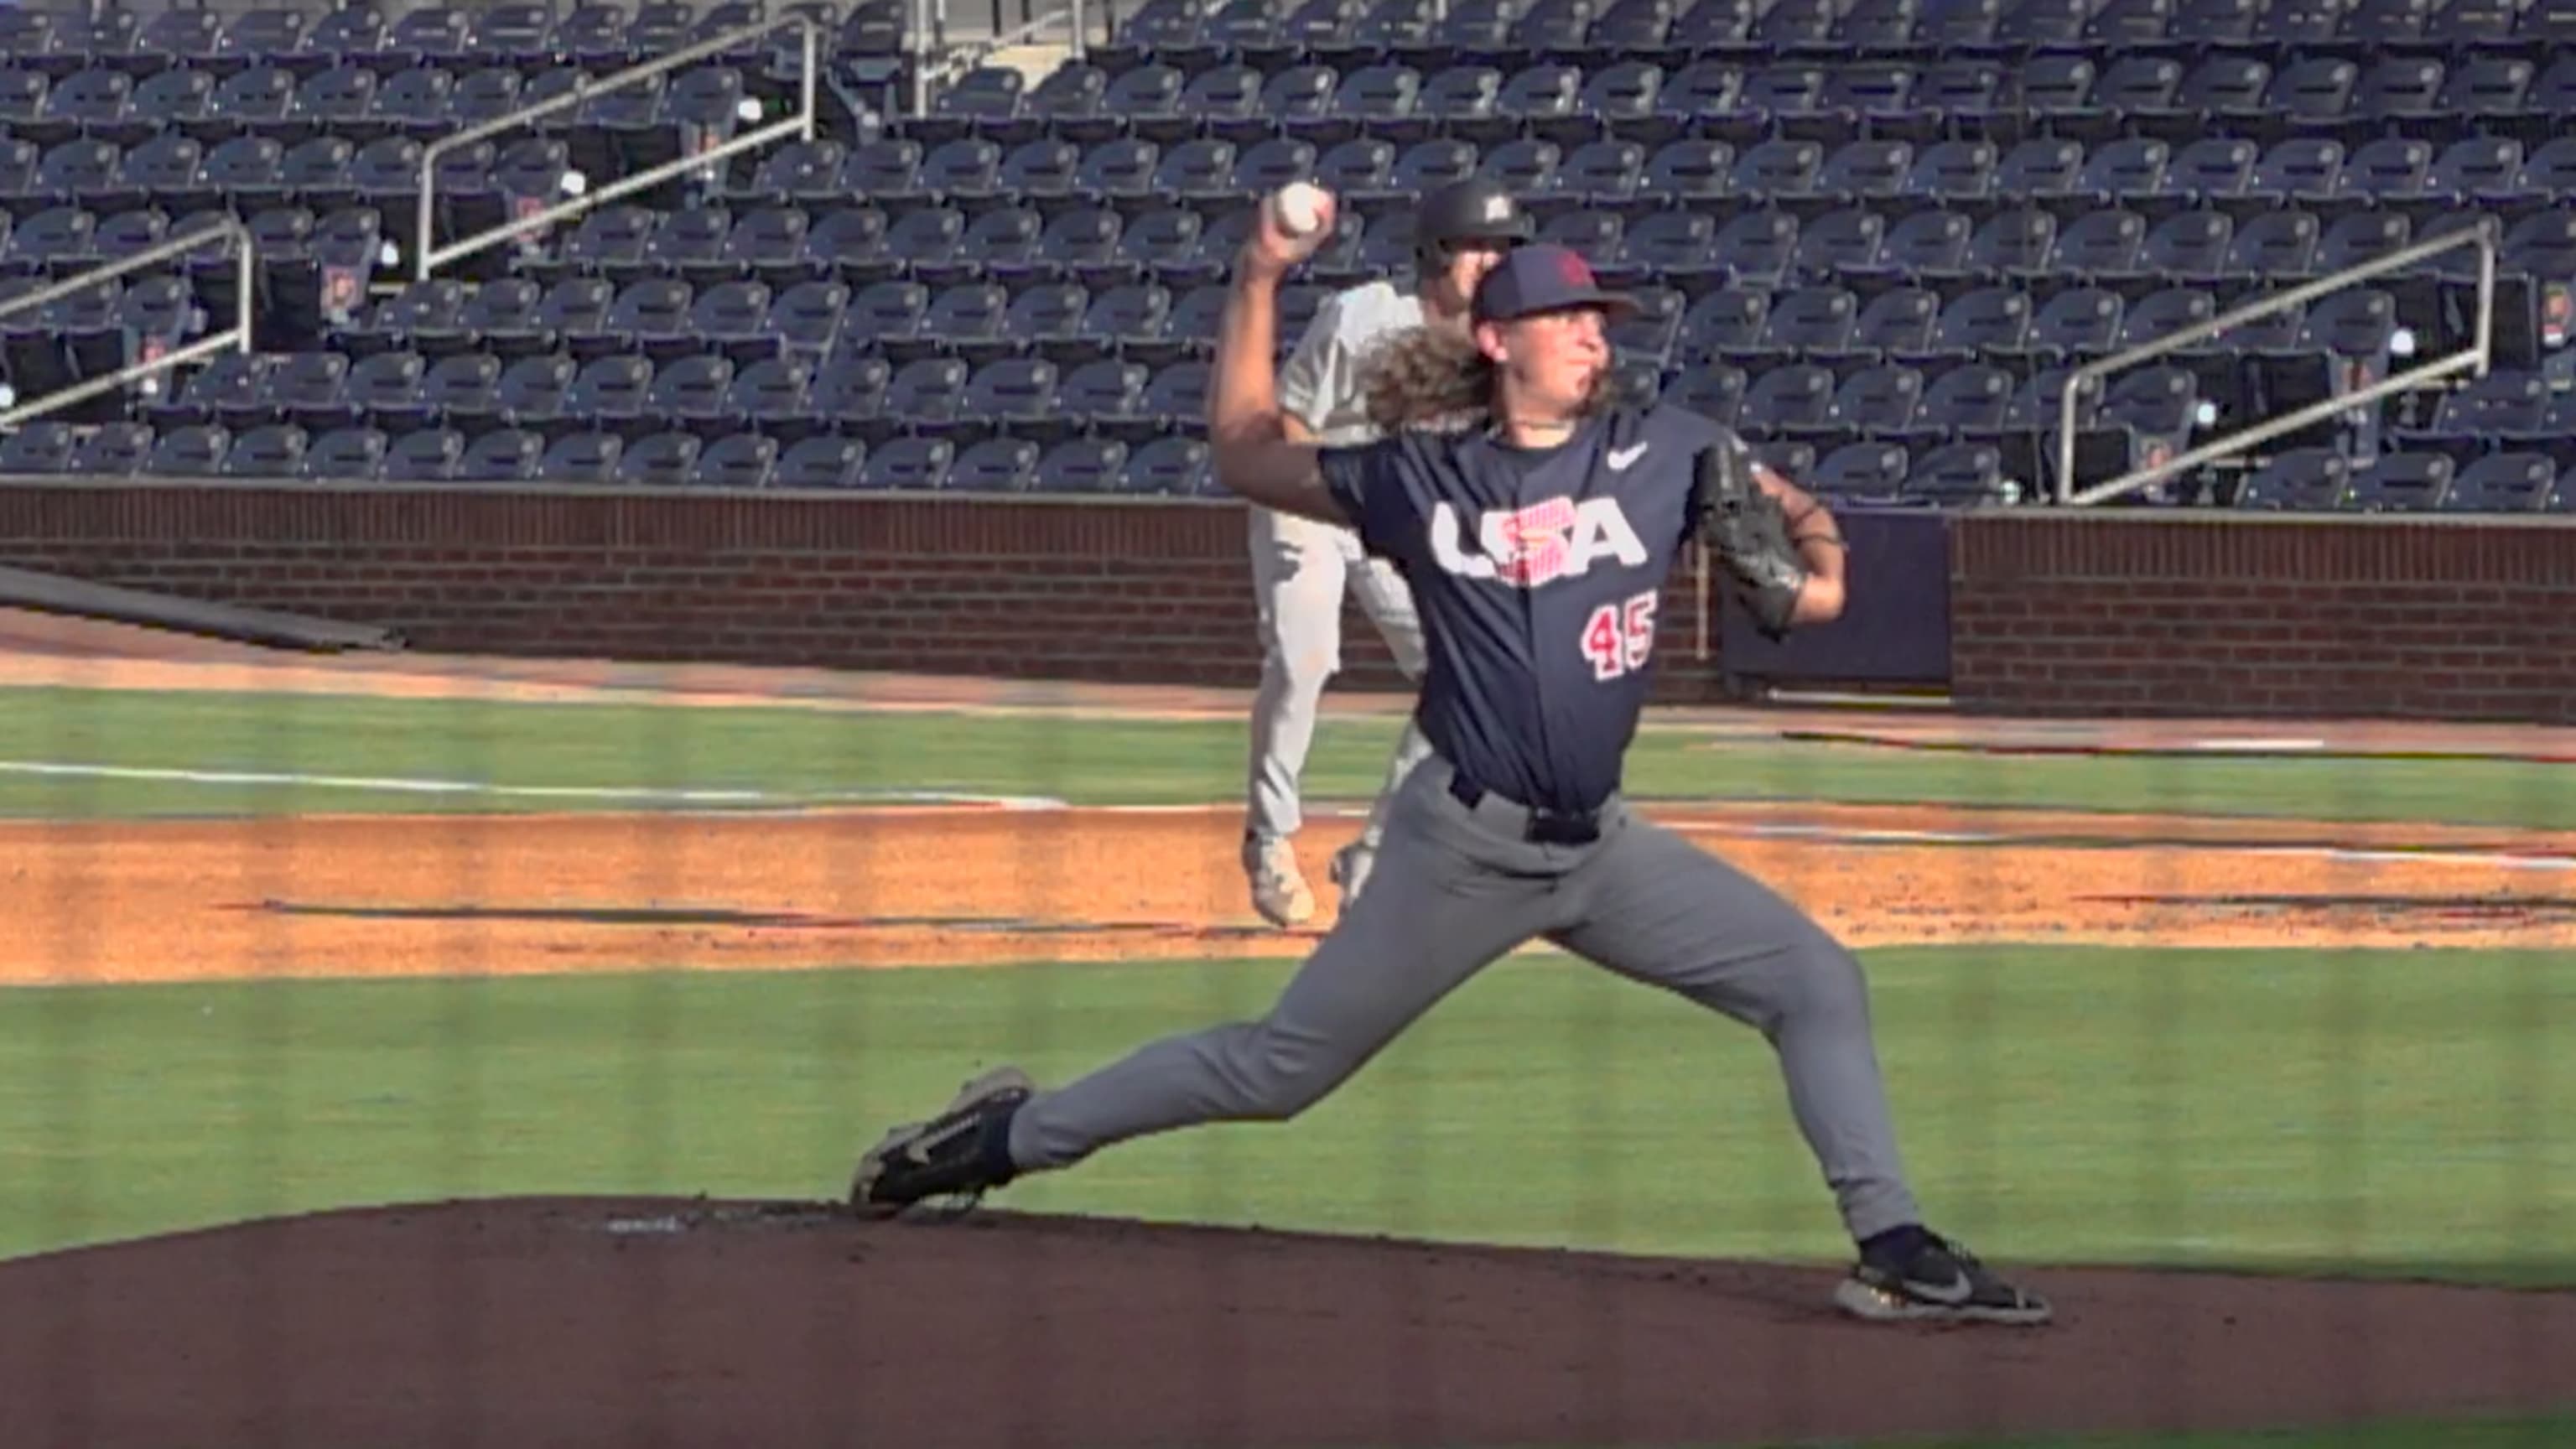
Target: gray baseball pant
x,y
1300,568
1458,887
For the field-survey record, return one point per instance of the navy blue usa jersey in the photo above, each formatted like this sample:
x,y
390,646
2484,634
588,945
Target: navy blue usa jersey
x,y
1537,573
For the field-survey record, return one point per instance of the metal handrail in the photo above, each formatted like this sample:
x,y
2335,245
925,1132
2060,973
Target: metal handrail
x,y
426,257
236,337
2473,358
930,15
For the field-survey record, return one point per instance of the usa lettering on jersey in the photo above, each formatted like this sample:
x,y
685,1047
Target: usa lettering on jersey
x,y
1559,538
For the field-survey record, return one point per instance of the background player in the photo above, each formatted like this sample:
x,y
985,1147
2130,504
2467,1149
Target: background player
x,y
1301,565
1537,542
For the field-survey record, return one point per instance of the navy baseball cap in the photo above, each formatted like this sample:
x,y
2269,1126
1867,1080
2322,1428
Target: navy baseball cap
x,y
1542,277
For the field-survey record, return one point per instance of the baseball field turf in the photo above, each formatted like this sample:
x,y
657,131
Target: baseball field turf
x,y
2298,1020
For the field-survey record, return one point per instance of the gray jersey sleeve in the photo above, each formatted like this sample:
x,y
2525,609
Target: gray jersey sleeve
x,y
1318,374
1322,380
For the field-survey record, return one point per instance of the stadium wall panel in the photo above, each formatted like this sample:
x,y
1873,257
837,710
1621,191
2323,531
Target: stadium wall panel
x,y
2460,618
1135,591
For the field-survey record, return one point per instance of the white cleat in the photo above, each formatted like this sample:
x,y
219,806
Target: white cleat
x,y
1279,890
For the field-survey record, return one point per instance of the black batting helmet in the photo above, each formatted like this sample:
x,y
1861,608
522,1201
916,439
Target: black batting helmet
x,y
1476,209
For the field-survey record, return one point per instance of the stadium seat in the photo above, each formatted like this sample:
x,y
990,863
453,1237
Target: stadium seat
x,y
1963,474
1713,389
2505,482
275,451
1170,467
193,450
654,460
430,455
910,464
2405,482
347,455
821,462
689,390
1861,472
44,446
1964,401
114,450
737,460
2303,480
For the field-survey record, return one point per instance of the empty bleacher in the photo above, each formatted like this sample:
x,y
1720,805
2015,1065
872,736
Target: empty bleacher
x,y
1874,235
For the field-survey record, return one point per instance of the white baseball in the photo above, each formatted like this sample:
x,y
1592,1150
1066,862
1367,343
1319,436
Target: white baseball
x,y
1298,207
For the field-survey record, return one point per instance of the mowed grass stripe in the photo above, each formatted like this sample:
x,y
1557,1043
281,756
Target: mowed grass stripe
x,y
806,755
2293,1111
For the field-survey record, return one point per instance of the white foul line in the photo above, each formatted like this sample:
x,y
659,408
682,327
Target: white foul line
x,y
414,786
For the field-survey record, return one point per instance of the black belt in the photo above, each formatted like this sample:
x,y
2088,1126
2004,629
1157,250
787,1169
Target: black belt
x,y
1545,827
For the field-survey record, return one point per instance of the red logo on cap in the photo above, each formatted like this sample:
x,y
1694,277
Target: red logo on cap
x,y
1574,269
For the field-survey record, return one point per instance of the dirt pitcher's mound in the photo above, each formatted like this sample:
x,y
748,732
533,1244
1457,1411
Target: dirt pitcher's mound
x,y
587,1322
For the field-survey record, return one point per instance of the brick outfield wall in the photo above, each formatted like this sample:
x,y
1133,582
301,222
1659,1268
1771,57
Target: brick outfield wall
x,y
2050,613
1143,592
2462,619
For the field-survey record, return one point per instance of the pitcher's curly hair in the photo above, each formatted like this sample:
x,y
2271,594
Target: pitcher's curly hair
x,y
1434,379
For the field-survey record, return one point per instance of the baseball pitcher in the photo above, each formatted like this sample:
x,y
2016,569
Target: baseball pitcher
x,y
1538,541
1300,566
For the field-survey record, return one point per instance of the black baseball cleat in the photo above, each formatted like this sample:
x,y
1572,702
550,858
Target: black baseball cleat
x,y
1930,1279
963,1152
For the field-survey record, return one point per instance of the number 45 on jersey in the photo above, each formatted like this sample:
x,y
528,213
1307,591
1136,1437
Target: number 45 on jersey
x,y
1619,638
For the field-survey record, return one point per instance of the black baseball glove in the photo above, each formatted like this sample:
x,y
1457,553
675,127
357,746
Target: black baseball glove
x,y
1748,532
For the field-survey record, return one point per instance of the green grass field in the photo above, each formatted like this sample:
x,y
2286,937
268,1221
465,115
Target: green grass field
x,y
793,755
2298,1111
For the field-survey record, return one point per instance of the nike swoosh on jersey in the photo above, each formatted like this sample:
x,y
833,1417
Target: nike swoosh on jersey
x,y
1620,458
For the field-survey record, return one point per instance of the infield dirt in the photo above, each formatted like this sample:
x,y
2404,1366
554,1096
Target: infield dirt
x,y
372,895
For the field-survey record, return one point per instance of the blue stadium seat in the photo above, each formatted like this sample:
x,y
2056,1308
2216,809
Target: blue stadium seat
x,y
689,390
737,460
771,391
608,393
1896,324
231,388
44,446
2405,483
1967,400
769,244
1725,323
1603,172
2301,480
657,460
2082,322
995,465
2099,245
2211,169
1046,317
273,451
192,450
1170,467
1713,389
1861,472
308,388
1929,245
1963,474
347,455
113,450
909,464
1879,400
821,462
2512,481
580,459
1788,397
1845,240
